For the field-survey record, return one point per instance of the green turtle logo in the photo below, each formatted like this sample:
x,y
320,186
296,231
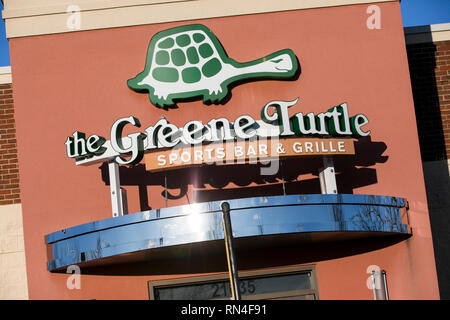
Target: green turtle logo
x,y
188,62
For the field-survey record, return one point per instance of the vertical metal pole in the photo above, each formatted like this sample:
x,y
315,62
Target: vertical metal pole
x,y
124,201
379,285
282,177
116,193
229,247
165,187
327,176
374,286
386,293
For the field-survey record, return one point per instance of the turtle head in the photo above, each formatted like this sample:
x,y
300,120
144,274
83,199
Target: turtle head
x,y
282,62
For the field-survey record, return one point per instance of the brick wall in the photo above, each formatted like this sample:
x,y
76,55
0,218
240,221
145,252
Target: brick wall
x,y
429,66
443,87
9,168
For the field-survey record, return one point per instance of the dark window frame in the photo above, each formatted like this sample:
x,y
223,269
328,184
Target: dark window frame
x,y
311,269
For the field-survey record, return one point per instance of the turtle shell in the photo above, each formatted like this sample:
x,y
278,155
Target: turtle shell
x,y
186,55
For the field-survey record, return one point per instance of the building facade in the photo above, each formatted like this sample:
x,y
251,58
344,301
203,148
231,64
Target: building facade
x,y
125,113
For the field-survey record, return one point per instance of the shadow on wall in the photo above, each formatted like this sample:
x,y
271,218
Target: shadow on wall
x,y
351,172
436,174
422,65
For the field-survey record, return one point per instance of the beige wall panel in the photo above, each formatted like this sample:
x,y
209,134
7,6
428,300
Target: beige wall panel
x,y
5,75
13,276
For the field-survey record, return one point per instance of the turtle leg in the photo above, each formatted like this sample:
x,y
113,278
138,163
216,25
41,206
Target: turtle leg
x,y
215,96
160,101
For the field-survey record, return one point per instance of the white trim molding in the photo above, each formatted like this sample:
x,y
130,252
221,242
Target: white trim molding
x,y
31,17
430,33
5,75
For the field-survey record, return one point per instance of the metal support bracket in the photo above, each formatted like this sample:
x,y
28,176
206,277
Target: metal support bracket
x,y
117,193
327,176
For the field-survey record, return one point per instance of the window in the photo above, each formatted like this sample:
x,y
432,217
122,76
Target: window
x,y
298,283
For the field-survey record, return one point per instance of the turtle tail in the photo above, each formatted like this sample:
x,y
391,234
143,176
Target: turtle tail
x,y
133,84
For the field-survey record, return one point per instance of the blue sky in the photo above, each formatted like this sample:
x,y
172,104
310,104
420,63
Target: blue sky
x,y
414,13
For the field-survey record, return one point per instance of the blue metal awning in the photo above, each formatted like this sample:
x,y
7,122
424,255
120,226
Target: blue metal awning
x,y
286,218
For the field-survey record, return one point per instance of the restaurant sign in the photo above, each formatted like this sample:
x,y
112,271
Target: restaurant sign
x,y
187,63
275,134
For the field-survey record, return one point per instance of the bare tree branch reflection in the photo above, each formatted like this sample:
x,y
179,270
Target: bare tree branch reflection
x,y
338,215
373,217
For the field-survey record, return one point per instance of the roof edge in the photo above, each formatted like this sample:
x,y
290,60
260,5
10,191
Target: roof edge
x,y
5,75
427,33
25,18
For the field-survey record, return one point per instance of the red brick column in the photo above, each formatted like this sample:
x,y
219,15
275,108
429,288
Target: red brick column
x,y
443,88
9,167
